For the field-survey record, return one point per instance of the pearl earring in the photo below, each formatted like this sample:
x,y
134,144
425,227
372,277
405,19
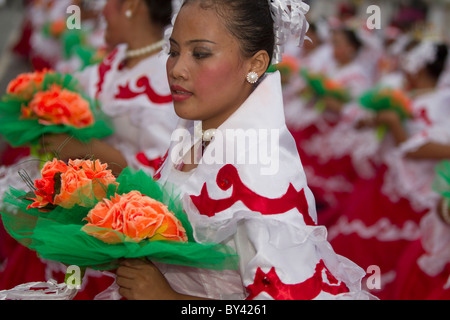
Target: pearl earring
x,y
128,14
252,77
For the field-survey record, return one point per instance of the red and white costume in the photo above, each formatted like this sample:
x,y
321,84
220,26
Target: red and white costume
x,y
268,217
381,217
139,103
309,127
46,51
424,268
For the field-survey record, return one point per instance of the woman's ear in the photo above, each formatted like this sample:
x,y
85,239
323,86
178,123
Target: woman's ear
x,y
131,7
260,62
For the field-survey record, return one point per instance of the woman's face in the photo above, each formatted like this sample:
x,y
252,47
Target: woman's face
x,y
206,70
114,13
313,43
343,50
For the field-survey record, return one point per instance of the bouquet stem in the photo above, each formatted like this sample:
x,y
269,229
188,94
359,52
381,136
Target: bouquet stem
x,y
381,132
43,157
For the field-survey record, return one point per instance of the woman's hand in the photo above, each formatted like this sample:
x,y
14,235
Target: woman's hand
x,y
393,122
444,211
141,280
388,117
64,146
368,122
333,105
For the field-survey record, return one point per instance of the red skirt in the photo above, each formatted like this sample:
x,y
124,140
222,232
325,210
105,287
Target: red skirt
x,y
23,265
413,283
374,231
329,181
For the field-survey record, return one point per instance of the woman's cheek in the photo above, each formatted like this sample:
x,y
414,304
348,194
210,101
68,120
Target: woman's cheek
x,y
214,79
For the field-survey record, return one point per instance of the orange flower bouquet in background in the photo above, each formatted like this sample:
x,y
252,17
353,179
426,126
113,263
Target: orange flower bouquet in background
x,y
80,215
26,84
47,102
380,99
287,68
58,106
54,29
320,86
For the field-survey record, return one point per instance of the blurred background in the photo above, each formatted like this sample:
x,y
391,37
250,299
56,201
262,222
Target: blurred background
x,y
34,36
21,20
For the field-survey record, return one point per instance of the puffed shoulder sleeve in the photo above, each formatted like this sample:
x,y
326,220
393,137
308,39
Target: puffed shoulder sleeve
x,y
431,123
292,262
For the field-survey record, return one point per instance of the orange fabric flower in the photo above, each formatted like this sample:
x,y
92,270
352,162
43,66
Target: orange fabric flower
x,y
403,100
289,64
81,182
57,28
26,84
76,188
332,85
98,173
135,217
56,106
50,168
400,101
45,187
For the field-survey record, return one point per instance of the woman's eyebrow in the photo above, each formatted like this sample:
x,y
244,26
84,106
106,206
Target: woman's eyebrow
x,y
199,40
192,41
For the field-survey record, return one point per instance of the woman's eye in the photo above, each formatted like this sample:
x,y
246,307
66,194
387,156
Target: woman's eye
x,y
201,55
173,53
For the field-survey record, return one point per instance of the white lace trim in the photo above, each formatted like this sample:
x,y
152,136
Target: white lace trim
x,y
411,180
383,230
49,290
436,243
330,185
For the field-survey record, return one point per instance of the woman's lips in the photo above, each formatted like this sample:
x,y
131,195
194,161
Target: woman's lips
x,y
179,93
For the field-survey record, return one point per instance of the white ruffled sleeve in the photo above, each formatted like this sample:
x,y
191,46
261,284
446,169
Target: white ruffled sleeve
x,y
431,123
295,263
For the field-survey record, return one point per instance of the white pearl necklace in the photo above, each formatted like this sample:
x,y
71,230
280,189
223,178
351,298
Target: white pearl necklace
x,y
206,135
144,51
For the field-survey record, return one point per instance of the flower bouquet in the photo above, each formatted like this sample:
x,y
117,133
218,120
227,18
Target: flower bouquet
x,y
81,216
320,86
75,43
54,29
287,67
80,182
47,102
380,99
441,183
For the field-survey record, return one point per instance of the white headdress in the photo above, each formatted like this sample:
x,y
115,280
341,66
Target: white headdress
x,y
424,53
419,57
289,20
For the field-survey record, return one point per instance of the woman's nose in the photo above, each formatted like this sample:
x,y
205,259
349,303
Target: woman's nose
x,y
178,67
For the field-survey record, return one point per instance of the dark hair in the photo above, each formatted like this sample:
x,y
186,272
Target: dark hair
x,y
250,22
352,37
160,11
312,27
436,68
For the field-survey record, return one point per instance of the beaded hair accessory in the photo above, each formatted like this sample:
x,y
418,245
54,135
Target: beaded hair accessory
x,y
289,23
